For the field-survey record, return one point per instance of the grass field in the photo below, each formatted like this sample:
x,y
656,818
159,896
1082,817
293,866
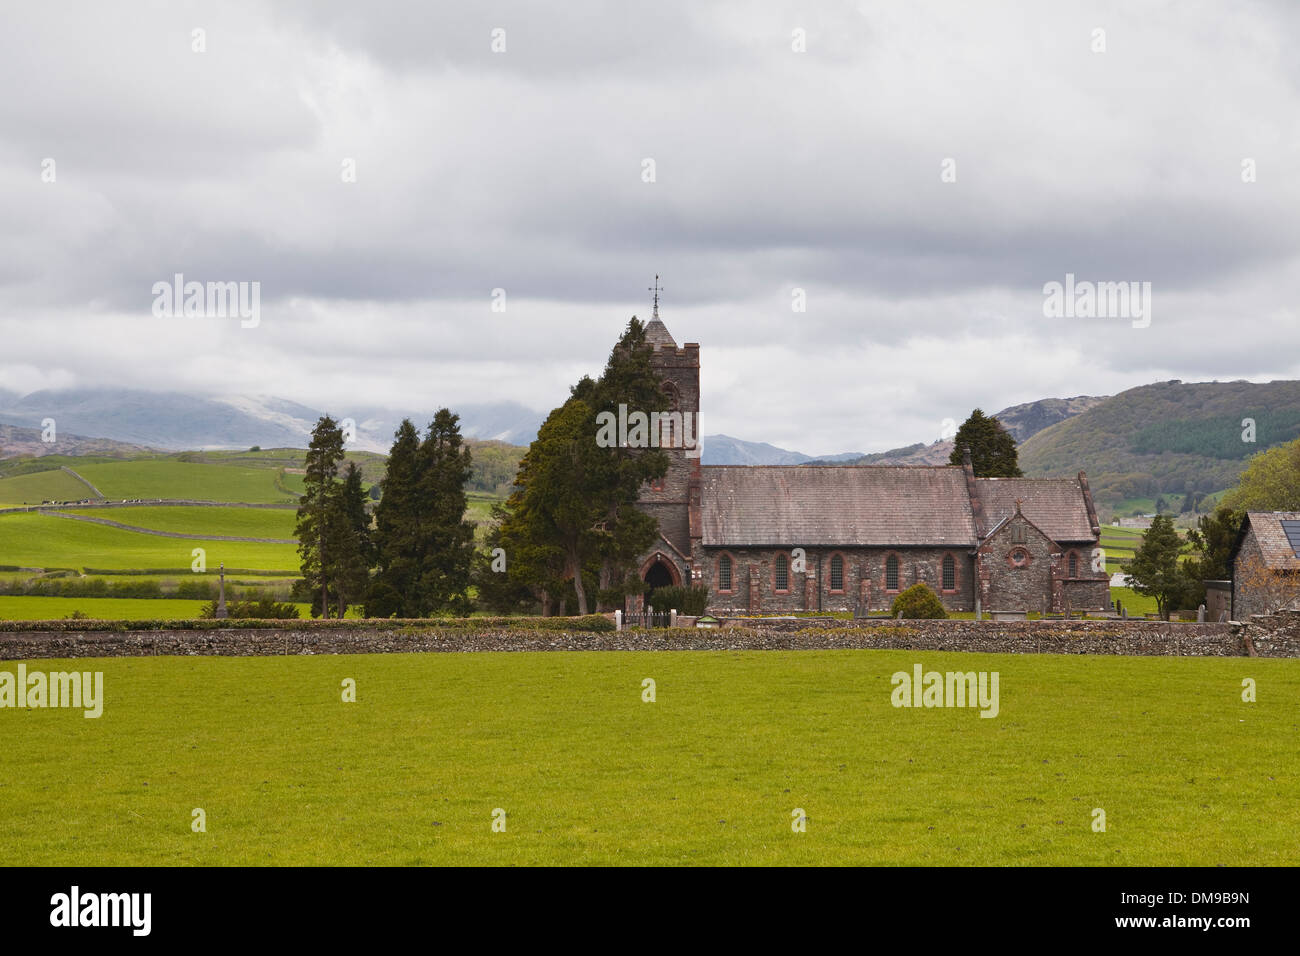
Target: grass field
x,y
24,608
41,486
237,522
44,541
169,478
710,773
28,608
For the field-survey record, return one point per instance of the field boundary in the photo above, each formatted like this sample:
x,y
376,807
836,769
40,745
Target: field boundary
x,y
1126,638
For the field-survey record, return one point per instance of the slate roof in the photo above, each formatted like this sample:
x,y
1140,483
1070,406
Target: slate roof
x,y
834,505
1055,505
1278,551
656,333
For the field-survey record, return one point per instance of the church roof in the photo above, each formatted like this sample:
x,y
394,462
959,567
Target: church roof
x,y
835,505
1056,506
656,333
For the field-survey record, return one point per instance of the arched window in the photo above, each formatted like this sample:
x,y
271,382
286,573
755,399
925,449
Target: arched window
x,y
837,572
724,573
949,573
782,573
891,573
1074,564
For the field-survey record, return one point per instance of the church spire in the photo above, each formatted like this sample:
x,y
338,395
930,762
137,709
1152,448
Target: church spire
x,y
656,333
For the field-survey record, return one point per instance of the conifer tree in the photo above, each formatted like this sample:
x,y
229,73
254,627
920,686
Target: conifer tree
x,y
992,449
321,529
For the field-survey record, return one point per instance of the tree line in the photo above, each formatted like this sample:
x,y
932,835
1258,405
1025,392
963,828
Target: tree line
x,y
413,556
567,536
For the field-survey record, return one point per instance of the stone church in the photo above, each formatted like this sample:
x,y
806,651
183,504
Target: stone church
x,y
771,539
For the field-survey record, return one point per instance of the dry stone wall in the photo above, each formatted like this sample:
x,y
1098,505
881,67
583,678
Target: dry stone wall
x,y
1140,638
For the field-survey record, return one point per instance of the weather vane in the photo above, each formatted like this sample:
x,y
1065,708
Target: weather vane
x,y
655,290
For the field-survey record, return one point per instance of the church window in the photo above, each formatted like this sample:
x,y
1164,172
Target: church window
x,y
949,573
1074,564
724,573
1017,534
782,573
1018,557
891,573
837,572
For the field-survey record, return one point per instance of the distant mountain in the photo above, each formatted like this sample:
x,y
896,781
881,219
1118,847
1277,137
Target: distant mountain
x,y
1022,421
177,421
725,450
1169,437
15,442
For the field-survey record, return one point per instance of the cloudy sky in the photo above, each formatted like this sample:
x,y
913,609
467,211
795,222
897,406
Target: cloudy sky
x,y
1113,141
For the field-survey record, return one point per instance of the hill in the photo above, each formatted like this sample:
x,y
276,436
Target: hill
x,y
16,441
1166,438
177,421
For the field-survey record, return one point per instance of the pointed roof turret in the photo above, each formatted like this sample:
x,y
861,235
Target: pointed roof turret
x,y
656,333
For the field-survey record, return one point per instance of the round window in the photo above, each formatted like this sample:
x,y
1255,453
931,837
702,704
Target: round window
x,y
1019,557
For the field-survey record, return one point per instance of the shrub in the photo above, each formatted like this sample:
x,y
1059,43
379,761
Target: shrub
x,y
918,602
683,600
264,610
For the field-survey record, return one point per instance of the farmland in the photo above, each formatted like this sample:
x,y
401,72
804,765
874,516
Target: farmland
x,y
708,774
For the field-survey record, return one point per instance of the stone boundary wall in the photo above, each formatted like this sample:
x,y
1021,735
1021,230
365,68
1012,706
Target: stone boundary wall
x,y
1272,635
1138,638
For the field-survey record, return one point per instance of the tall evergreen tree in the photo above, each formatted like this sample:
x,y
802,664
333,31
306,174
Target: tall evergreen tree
x,y
354,557
992,449
424,547
396,535
1156,569
321,525
447,539
573,516
621,532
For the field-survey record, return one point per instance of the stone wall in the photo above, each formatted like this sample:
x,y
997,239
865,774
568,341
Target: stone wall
x,y
861,566
1139,638
1272,635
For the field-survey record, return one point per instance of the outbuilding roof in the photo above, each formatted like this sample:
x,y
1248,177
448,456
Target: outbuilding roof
x,y
1278,547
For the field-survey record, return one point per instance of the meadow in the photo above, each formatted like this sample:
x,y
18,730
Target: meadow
x,y
711,773
32,540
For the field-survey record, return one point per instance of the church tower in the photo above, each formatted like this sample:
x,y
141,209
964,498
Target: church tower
x,y
674,499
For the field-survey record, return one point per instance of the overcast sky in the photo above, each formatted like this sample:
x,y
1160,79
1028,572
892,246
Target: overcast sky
x,y
774,170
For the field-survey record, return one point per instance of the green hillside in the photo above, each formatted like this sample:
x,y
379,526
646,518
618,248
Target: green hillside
x,y
1166,438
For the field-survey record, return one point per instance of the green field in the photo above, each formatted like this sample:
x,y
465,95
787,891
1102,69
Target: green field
x,y
23,608
32,489
169,478
27,608
710,773
236,522
44,541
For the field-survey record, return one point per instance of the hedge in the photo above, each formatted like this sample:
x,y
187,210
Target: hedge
x,y
591,623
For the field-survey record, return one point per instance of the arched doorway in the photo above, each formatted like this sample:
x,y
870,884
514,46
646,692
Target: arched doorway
x,y
658,576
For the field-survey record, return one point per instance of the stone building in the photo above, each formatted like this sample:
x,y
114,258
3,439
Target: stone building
x,y
1266,563
775,539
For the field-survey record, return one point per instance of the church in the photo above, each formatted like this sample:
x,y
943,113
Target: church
x,y
773,539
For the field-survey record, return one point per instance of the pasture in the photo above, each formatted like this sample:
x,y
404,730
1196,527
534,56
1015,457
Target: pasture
x,y
711,773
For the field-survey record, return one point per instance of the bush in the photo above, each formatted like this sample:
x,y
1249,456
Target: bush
x,y
263,610
683,600
918,603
